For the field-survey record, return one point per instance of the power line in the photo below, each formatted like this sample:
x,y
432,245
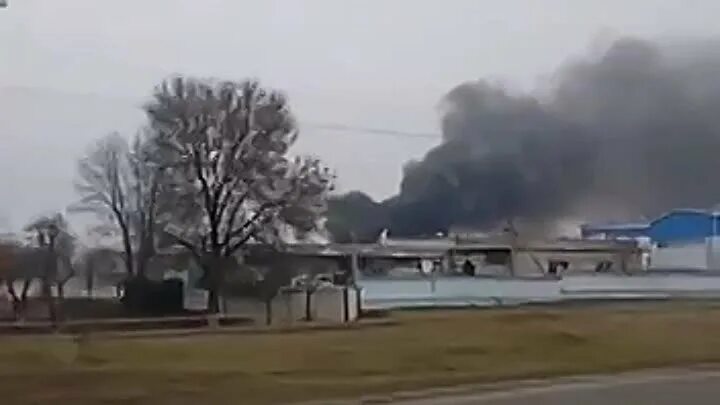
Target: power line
x,y
377,131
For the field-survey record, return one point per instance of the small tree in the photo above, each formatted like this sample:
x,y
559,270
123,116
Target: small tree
x,y
98,266
120,183
12,270
269,287
150,198
225,146
55,246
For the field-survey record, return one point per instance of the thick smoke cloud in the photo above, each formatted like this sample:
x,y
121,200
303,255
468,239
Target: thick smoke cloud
x,y
630,132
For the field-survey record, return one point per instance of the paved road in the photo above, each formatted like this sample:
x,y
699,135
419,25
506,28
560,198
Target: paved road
x,y
667,388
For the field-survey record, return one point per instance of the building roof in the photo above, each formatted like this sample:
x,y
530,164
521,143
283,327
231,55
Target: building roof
x,y
615,227
677,224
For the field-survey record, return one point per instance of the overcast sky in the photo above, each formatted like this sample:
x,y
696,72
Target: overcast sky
x,y
72,70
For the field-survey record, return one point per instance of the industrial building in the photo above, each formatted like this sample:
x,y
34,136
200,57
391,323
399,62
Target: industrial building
x,y
682,239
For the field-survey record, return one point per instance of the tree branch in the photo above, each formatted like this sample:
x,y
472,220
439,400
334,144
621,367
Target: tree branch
x,y
9,285
210,207
26,288
232,217
231,249
248,229
189,246
241,230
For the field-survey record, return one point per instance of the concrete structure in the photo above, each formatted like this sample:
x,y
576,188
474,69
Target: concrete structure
x,y
487,292
416,255
528,258
498,256
434,264
330,304
289,306
334,304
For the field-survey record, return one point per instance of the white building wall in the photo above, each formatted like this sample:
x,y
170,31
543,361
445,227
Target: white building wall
x,y
681,256
328,304
535,263
289,306
713,248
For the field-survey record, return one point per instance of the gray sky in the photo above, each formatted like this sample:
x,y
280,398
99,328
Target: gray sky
x,y
72,70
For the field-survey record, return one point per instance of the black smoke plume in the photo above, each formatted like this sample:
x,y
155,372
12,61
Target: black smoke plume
x,y
630,132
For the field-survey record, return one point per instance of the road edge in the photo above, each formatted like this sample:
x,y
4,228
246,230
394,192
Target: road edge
x,y
640,375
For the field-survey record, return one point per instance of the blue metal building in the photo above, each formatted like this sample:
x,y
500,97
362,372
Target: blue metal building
x,y
677,226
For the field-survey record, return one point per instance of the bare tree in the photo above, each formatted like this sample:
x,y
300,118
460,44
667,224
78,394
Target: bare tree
x,y
98,266
120,183
225,146
149,198
12,271
55,246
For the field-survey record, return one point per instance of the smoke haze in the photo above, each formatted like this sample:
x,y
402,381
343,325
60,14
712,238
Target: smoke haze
x,y
631,131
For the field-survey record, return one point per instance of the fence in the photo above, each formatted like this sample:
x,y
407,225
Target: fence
x,y
465,291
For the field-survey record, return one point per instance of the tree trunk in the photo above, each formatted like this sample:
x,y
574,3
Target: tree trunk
x,y
268,312
22,303
141,259
139,266
16,301
90,281
50,301
308,305
17,309
49,279
127,246
214,271
61,299
213,302
213,287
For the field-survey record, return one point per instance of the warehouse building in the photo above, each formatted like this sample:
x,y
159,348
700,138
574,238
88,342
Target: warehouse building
x,y
682,239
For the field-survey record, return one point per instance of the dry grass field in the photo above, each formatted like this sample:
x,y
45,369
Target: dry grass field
x,y
425,348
